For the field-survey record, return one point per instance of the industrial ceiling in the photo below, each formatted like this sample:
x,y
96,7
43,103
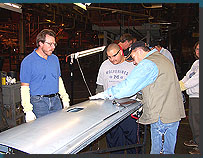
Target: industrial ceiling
x,y
79,28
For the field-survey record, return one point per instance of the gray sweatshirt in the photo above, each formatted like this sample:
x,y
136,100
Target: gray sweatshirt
x,y
191,80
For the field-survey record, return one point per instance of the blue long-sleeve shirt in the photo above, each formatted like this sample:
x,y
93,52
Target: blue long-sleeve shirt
x,y
141,76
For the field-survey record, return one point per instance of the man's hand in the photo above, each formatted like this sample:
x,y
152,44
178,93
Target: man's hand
x,y
65,104
101,95
29,116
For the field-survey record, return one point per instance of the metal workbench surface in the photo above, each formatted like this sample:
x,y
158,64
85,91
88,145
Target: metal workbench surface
x,y
67,131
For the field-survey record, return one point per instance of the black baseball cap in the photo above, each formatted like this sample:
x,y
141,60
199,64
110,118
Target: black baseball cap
x,y
132,47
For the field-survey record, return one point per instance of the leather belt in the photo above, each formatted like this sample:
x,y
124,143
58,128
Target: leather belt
x,y
49,96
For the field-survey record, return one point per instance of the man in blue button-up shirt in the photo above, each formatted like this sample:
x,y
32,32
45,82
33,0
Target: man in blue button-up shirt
x,y
162,101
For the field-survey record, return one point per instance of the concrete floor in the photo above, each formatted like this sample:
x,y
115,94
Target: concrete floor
x,y
81,94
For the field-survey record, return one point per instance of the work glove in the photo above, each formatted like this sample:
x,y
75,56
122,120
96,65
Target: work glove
x,y
63,95
29,116
27,106
101,95
182,86
65,104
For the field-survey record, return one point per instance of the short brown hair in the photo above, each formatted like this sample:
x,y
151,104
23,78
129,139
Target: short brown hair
x,y
126,37
195,46
41,37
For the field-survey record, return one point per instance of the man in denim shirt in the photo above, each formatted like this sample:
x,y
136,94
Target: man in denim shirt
x,y
162,101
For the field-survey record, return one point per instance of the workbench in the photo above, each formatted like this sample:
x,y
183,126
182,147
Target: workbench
x,y
67,131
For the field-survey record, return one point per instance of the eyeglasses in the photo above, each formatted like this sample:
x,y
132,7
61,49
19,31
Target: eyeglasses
x,y
51,44
113,55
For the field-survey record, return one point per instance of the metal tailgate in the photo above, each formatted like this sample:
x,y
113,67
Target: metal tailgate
x,y
54,133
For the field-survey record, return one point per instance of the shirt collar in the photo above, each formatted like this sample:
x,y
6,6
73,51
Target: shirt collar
x,y
38,54
151,52
162,49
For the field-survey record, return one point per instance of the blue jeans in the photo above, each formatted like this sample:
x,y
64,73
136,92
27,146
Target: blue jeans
x,y
169,131
44,105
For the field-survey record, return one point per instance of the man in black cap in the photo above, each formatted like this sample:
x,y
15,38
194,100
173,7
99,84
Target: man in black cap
x,y
162,102
128,52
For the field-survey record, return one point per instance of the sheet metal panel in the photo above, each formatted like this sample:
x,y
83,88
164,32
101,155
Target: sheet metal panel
x,y
66,132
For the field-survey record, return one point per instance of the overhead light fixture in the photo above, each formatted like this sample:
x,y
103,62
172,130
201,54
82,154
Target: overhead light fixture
x,y
84,53
11,6
88,52
162,23
156,5
50,21
83,6
87,4
151,17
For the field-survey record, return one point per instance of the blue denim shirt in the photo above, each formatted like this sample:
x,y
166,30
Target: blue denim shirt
x,y
141,76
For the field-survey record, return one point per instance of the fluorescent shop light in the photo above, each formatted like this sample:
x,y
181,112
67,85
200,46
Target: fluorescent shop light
x,y
12,7
88,52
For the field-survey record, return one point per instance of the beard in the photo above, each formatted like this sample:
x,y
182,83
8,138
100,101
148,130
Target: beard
x,y
48,52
